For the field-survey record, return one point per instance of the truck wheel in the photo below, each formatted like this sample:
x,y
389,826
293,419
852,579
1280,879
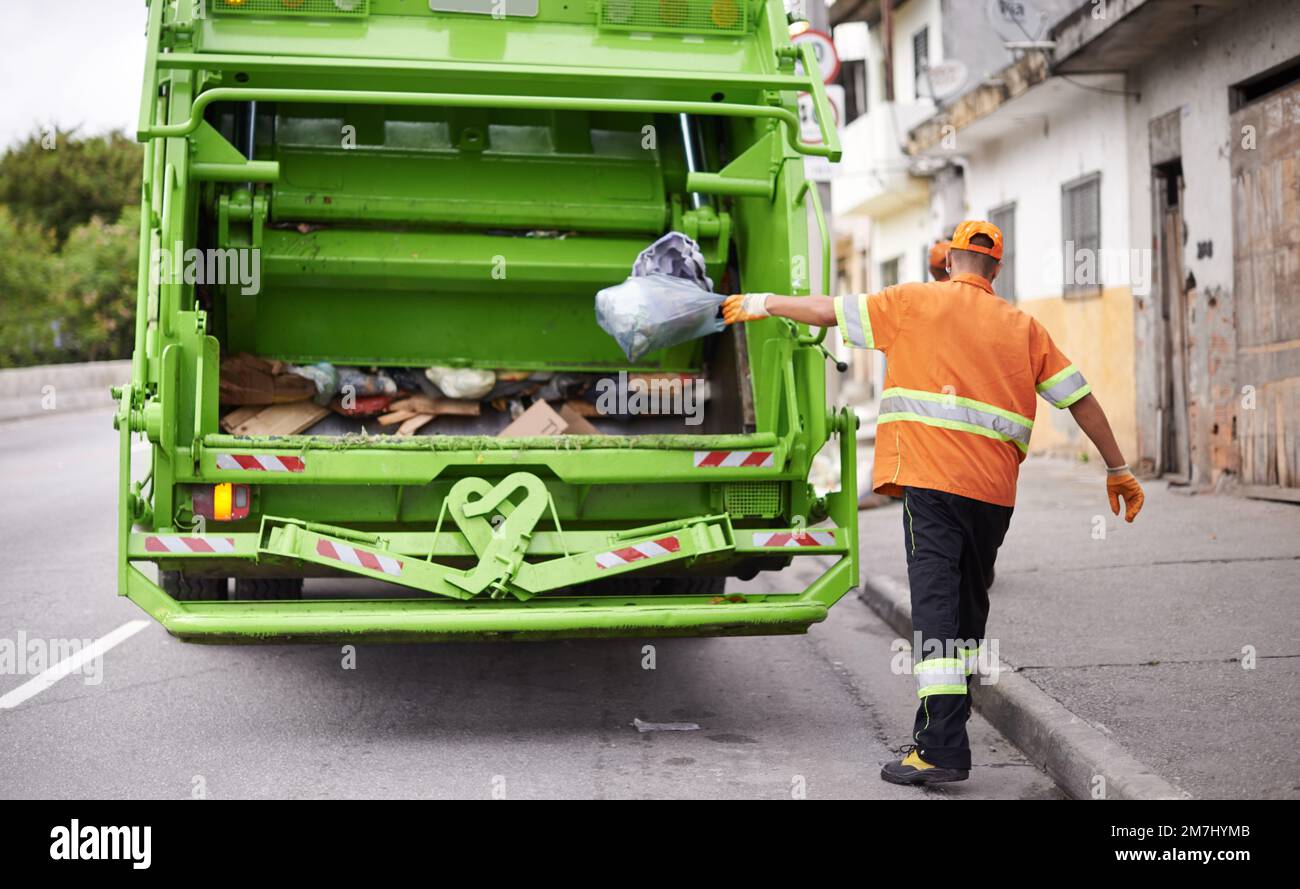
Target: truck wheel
x,y
693,586
262,588
193,589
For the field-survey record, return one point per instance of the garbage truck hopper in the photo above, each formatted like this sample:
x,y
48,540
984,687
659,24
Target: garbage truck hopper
x,y
422,191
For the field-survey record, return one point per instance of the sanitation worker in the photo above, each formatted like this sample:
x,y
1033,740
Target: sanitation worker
x,y
964,368
939,260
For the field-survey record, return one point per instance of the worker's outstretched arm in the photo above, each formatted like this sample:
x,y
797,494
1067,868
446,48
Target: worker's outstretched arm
x,y
1120,482
819,311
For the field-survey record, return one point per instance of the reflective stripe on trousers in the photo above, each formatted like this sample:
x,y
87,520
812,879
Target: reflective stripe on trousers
x,y
970,658
940,676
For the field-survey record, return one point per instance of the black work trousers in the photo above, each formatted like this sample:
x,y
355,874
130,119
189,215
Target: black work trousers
x,y
951,543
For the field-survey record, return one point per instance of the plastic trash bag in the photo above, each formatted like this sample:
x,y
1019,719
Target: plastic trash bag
x,y
674,254
645,314
323,375
462,382
363,385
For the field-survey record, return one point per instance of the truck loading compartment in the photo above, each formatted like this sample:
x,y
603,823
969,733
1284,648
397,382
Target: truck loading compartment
x,y
456,200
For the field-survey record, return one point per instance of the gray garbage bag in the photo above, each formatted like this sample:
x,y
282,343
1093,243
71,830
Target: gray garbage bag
x,y
645,314
674,254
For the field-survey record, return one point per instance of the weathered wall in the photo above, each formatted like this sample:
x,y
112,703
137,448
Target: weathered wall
x,y
971,37
1194,81
1097,335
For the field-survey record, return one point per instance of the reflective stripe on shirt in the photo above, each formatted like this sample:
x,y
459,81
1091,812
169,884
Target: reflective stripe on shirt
x,y
1065,388
854,320
953,412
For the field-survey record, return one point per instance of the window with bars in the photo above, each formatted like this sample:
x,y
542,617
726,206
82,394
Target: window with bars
x,y
920,60
1004,218
1081,236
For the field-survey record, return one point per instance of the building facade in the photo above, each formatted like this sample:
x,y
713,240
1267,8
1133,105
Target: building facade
x,y
1143,160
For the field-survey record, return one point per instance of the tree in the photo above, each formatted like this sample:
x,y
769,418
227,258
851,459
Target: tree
x,y
96,287
58,181
29,322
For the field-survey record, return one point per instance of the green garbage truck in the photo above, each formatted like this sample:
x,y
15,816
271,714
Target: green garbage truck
x,y
397,185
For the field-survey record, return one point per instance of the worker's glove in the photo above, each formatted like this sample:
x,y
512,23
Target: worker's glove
x,y
1121,483
745,307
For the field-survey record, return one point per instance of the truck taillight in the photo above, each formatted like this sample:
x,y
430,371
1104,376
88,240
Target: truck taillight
x,y
225,502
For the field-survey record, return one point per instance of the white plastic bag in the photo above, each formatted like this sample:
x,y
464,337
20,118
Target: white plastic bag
x,y
645,314
462,382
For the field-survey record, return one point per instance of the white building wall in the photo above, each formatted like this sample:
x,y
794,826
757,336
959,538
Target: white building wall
x,y
872,177
1087,135
908,20
904,235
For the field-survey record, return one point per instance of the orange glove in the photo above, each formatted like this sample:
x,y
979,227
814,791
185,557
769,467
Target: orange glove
x,y
744,307
1125,485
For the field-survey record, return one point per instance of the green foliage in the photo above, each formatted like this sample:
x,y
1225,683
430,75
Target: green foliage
x,y
69,232
95,289
28,318
58,181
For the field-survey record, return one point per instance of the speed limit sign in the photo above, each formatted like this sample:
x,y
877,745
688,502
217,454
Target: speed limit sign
x,y
823,48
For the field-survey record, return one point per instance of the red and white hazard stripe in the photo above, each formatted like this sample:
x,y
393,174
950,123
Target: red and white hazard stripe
x,y
709,459
793,538
648,550
165,544
261,462
350,555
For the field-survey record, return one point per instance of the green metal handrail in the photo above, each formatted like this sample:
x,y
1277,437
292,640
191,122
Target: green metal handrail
x,y
476,100
810,188
461,69
821,103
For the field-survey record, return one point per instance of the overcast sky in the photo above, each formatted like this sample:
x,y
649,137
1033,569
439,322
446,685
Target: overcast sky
x,y
70,63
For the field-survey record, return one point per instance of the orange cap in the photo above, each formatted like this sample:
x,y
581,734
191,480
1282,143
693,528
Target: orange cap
x,y
939,256
971,227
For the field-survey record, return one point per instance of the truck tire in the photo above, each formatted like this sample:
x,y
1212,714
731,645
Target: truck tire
x,y
693,586
193,589
263,588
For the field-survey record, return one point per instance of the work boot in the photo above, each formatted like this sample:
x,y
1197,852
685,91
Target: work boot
x,y
914,770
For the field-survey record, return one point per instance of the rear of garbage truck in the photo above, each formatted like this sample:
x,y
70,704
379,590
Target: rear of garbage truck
x,y
390,186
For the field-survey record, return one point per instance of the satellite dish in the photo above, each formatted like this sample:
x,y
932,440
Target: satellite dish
x,y
1016,21
946,78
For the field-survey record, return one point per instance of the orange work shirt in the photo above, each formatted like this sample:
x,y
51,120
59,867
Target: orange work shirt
x,y
963,369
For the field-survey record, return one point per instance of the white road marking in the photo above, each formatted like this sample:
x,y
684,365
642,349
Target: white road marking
x,y
42,681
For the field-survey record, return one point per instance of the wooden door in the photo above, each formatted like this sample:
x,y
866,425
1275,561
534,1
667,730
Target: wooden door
x,y
1266,282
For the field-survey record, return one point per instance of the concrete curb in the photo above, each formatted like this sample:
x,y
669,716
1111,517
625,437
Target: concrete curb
x,y
1063,744
29,391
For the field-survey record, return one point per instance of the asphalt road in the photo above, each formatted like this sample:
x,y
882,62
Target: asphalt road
x,y
778,717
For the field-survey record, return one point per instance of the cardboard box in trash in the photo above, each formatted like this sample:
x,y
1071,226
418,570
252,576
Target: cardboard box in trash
x,y
542,419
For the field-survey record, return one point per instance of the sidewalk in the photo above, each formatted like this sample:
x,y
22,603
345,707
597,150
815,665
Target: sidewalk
x,y
1142,634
